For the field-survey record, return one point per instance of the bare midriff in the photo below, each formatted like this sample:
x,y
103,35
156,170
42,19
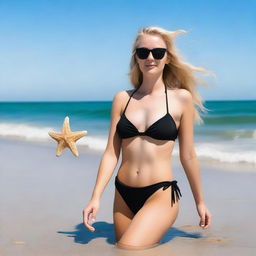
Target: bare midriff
x,y
145,161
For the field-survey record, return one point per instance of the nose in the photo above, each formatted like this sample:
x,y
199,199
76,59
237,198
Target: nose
x,y
150,56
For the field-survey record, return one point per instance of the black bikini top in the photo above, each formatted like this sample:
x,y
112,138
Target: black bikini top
x,y
163,129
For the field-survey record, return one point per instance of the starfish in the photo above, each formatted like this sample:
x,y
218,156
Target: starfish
x,y
67,138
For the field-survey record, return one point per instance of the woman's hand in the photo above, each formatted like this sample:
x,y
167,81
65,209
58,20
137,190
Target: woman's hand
x,y
205,215
89,213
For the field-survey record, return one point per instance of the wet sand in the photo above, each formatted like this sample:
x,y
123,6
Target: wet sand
x,y
42,198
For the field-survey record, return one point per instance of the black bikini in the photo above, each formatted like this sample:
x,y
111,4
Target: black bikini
x,y
163,129
135,197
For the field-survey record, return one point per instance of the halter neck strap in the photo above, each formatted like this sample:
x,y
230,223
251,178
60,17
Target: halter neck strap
x,y
130,99
166,98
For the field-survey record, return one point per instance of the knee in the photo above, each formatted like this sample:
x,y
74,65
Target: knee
x,y
127,246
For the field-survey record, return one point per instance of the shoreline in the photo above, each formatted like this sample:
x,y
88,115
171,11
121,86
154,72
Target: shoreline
x,y
82,149
41,210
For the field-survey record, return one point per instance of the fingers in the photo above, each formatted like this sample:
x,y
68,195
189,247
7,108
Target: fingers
x,y
86,216
208,219
205,221
202,222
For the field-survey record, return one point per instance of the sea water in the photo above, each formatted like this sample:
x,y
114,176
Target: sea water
x,y
228,132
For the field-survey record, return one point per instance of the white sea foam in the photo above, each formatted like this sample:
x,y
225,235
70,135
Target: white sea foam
x,y
230,151
28,132
95,143
24,131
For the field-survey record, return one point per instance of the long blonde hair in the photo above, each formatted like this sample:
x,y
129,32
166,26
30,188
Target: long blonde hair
x,y
177,73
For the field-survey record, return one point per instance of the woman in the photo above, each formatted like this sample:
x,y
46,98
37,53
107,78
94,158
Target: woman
x,y
145,123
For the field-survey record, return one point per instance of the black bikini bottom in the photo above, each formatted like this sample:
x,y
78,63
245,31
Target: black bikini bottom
x,y
135,197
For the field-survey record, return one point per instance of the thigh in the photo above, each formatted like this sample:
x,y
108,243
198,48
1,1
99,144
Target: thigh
x,y
152,221
122,215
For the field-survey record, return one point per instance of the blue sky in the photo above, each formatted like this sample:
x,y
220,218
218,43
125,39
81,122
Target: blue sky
x,y
80,50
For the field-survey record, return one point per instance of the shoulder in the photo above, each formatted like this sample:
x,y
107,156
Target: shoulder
x,y
186,101
120,98
122,95
184,96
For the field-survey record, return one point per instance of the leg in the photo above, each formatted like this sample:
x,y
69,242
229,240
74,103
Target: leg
x,y
151,222
122,215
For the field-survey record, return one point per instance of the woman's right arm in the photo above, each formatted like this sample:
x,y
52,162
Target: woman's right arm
x,y
108,162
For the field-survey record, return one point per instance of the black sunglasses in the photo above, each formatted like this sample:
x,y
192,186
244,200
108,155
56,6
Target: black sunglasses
x,y
158,53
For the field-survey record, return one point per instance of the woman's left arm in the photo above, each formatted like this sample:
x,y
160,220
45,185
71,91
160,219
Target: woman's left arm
x,y
188,156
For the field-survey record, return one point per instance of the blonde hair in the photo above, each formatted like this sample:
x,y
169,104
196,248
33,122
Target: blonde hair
x,y
177,73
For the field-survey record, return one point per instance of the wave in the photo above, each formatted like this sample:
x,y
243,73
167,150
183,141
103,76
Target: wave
x,y
238,152
31,133
240,149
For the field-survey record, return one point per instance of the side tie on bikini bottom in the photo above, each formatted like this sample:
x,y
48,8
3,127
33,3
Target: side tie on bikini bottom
x,y
174,190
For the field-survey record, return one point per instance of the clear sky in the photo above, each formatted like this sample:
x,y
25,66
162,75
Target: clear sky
x,y
80,50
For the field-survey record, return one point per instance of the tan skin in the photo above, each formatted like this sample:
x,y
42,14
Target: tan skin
x,y
146,160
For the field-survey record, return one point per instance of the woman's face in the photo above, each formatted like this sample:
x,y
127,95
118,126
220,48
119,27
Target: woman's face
x,y
151,66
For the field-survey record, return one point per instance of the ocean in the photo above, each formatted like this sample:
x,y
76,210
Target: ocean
x,y
228,133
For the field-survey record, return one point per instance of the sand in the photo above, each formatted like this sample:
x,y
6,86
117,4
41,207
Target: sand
x,y
42,198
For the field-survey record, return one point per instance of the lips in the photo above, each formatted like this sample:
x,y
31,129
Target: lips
x,y
150,65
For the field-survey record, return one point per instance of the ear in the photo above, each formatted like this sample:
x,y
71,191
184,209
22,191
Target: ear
x,y
168,59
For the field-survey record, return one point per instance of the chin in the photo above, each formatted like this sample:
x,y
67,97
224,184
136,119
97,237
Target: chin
x,y
151,71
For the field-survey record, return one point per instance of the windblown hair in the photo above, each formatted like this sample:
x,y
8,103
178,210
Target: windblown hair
x,y
177,73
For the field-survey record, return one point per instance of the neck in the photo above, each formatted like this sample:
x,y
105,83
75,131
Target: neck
x,y
152,85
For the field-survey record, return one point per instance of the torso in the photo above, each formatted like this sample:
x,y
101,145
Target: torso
x,y
146,160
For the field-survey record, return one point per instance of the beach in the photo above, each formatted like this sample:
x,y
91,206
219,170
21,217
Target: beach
x,y
84,60
42,198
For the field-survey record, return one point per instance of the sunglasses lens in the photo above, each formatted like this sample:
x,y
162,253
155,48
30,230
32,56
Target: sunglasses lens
x,y
158,53
142,53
